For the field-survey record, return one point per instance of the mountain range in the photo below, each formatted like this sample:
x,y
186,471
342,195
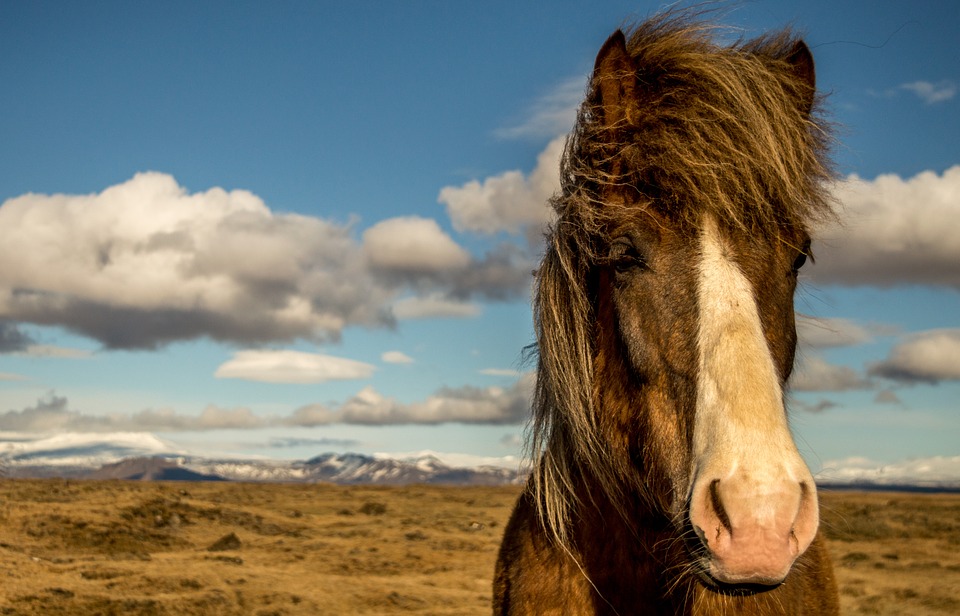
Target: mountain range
x,y
145,457
349,468
140,456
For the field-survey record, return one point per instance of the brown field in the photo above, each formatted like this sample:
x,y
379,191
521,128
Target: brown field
x,y
74,547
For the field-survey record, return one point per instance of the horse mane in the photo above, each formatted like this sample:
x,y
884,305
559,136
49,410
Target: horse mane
x,y
727,130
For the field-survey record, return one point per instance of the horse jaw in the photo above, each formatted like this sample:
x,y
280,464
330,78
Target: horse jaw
x,y
753,501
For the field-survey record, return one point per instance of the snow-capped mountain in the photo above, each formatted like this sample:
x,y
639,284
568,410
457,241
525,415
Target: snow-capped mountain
x,y
354,468
146,457
133,455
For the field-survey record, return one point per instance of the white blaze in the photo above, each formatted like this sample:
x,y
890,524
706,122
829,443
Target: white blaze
x,y
741,426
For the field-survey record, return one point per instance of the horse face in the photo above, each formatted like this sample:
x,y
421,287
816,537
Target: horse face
x,y
703,315
705,324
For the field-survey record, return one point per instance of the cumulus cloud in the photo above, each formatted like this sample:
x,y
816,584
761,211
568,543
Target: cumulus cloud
x,y
412,246
146,262
212,417
396,357
813,373
509,202
927,357
895,231
930,92
287,366
467,404
49,414
415,253
52,413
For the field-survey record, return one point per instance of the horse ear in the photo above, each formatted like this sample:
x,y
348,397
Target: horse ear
x,y
614,80
801,61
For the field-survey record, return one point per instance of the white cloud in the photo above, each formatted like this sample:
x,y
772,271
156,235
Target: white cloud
x,y
287,366
433,306
50,414
552,114
412,245
212,417
467,404
932,93
9,376
894,232
145,262
934,471
396,357
68,449
510,201
53,414
813,373
930,356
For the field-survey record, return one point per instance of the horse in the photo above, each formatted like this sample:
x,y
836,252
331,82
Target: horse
x,y
665,477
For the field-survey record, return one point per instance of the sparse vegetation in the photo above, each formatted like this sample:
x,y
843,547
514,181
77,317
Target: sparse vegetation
x,y
133,548
894,554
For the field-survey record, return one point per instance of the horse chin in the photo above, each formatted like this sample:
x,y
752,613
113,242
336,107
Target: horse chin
x,y
733,588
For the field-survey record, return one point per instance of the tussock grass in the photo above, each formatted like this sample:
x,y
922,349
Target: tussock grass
x,y
140,549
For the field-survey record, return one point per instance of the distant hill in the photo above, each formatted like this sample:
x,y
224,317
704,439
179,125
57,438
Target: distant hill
x,y
143,456
867,486
149,469
350,468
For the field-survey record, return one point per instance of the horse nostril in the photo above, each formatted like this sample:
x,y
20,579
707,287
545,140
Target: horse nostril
x,y
718,509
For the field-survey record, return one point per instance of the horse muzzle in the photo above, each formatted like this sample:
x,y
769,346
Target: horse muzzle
x,y
750,534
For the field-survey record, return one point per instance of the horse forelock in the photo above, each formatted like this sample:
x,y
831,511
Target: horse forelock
x,y
718,130
723,129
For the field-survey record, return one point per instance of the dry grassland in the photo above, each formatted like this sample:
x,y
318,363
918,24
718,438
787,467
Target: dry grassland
x,y
69,547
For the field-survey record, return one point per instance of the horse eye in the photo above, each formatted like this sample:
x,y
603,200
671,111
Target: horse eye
x,y
802,257
798,263
624,256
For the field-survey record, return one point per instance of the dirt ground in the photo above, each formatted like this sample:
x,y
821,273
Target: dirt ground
x,y
74,547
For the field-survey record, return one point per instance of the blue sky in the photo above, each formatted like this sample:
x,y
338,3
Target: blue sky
x,y
288,228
